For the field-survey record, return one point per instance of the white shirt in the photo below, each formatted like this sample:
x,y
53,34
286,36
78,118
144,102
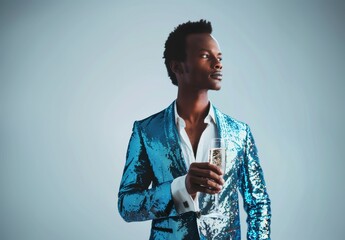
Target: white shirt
x,y
183,201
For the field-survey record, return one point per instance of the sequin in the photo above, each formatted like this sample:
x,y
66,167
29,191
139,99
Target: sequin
x,y
154,160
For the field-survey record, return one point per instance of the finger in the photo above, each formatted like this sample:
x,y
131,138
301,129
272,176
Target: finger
x,y
206,165
205,182
203,189
206,173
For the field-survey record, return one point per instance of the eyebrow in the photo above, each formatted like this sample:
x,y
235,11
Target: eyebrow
x,y
207,50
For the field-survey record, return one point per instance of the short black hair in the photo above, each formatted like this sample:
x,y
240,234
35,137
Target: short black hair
x,y
175,45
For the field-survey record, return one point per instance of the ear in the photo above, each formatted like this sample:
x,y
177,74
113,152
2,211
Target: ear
x,y
176,67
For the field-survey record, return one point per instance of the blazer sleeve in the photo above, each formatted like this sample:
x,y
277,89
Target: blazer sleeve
x,y
136,200
253,189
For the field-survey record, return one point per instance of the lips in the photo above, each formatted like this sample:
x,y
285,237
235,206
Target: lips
x,y
216,75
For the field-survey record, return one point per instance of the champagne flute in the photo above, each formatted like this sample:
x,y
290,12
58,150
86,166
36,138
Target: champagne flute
x,y
217,156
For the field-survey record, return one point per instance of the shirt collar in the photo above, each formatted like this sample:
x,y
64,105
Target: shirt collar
x,y
210,118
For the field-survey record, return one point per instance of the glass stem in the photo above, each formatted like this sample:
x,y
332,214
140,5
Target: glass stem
x,y
216,201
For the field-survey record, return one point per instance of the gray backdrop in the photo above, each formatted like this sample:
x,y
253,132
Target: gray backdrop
x,y
75,75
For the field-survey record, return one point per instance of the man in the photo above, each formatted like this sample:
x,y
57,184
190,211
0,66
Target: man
x,y
167,178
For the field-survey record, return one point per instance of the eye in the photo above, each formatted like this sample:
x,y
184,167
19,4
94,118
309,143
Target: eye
x,y
205,56
220,59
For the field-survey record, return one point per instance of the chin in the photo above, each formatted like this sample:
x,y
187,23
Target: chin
x,y
216,87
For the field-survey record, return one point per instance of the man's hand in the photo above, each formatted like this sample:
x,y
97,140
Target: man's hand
x,y
204,177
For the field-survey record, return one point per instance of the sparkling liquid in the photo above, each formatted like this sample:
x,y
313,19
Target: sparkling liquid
x,y
217,157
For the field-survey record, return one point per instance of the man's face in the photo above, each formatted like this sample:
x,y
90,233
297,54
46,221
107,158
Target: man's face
x,y
202,67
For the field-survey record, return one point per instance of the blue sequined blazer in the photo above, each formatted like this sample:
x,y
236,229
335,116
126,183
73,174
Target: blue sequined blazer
x,y
154,160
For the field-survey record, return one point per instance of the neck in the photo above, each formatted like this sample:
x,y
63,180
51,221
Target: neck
x,y
192,107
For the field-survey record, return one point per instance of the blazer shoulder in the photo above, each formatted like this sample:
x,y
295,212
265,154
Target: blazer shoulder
x,y
232,122
154,121
151,118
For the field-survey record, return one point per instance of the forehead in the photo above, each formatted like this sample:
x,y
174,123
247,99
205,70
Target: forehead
x,y
201,41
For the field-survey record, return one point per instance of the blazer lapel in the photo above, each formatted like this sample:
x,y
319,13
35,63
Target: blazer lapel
x,y
222,126
228,130
173,143
225,126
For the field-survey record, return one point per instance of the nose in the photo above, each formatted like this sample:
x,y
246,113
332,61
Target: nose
x,y
218,64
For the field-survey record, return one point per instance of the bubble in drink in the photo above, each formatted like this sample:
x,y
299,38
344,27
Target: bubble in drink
x,y
217,156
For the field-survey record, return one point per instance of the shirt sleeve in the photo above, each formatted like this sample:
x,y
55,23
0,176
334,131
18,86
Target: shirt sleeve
x,y
182,199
